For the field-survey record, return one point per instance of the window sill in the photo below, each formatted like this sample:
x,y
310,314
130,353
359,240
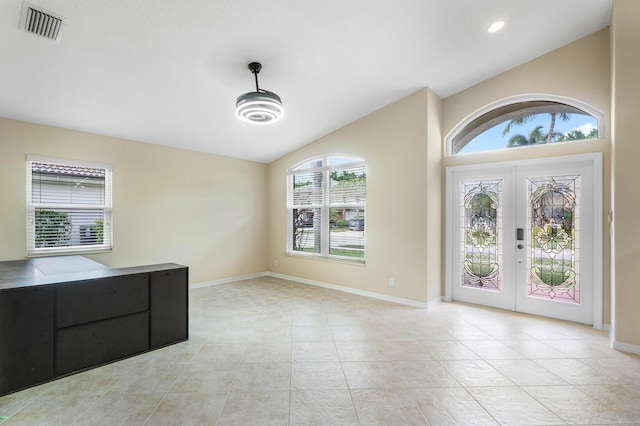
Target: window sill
x,y
311,256
69,252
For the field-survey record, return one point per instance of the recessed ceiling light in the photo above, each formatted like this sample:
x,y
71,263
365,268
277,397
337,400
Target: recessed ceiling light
x,y
495,27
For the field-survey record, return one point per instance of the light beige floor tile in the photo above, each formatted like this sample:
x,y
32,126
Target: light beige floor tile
x,y
52,410
221,352
492,349
468,332
311,334
318,320
513,406
205,378
580,348
621,371
452,406
622,399
426,332
268,352
506,331
449,349
258,344
534,349
347,319
476,373
524,372
148,378
120,408
387,407
313,351
575,372
93,382
359,350
253,408
263,376
187,409
178,353
10,405
574,406
275,333
322,407
317,375
353,333
383,350
397,374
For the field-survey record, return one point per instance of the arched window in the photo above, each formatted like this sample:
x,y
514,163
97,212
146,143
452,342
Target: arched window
x,y
525,122
326,204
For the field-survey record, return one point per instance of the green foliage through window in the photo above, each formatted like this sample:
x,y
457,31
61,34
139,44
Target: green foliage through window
x,y
53,228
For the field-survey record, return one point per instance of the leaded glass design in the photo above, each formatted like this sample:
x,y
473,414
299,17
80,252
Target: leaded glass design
x,y
554,238
482,234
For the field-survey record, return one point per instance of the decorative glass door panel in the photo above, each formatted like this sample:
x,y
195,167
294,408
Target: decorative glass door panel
x,y
482,234
523,237
554,227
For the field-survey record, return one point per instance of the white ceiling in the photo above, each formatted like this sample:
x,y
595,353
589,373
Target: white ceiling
x,y
168,72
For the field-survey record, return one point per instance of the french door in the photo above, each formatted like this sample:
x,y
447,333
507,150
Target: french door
x,y
525,236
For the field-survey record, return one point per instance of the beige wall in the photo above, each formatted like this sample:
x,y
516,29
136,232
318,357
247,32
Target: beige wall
x,y
625,45
217,226
170,205
403,199
580,71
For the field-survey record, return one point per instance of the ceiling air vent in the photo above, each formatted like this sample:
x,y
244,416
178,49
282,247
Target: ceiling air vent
x,y
41,22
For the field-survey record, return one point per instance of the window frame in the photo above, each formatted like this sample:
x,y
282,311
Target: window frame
x,y
106,207
502,110
325,205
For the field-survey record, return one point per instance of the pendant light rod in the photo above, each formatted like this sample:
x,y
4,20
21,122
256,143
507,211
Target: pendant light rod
x,y
255,68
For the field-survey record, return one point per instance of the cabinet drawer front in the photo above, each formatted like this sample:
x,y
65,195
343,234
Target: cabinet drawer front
x,y
93,300
93,344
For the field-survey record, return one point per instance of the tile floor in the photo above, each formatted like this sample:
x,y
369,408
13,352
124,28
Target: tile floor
x,y
268,351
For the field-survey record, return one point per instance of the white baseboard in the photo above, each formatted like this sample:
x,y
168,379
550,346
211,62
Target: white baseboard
x,y
625,347
364,293
606,327
226,280
352,290
433,302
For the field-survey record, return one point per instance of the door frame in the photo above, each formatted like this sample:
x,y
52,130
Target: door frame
x,y
596,161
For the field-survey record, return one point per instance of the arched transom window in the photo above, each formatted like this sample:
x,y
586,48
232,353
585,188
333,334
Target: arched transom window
x,y
326,204
526,123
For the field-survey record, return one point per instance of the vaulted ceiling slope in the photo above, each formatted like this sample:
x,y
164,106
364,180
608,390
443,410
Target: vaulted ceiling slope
x,y
169,72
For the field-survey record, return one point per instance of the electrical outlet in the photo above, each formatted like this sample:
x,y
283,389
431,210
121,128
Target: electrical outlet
x,y
392,282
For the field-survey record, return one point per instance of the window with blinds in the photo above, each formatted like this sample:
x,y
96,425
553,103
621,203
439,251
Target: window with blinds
x,y
326,203
68,207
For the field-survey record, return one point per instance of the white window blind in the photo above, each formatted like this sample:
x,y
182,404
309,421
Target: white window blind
x,y
326,201
69,207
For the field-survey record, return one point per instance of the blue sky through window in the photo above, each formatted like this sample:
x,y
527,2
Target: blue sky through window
x,y
492,139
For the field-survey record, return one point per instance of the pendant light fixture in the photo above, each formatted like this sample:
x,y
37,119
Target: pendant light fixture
x,y
261,106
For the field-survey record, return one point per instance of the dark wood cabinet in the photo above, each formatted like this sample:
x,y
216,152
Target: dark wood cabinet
x,y
55,325
26,337
168,307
